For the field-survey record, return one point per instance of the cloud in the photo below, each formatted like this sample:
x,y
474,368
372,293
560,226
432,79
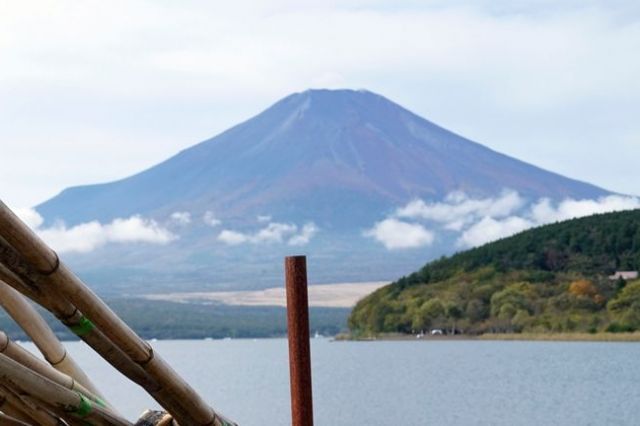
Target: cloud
x,y
210,219
490,229
274,232
89,236
263,219
458,208
29,216
181,218
303,238
232,237
477,221
543,212
395,234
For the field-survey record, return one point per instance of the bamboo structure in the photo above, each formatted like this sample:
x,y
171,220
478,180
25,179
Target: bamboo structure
x,y
58,391
11,421
24,314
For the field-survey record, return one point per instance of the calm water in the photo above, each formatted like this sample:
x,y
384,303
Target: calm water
x,y
403,383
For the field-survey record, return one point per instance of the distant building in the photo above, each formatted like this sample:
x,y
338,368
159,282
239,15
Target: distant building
x,y
625,275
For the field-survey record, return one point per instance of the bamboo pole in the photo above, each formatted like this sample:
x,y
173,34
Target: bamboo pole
x,y
21,277
93,337
28,410
24,314
185,404
11,421
65,402
9,407
27,359
77,323
15,272
63,419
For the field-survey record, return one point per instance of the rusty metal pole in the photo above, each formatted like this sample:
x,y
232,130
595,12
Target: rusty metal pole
x,y
298,332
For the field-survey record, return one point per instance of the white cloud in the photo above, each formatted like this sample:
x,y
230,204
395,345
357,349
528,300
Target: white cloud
x,y
274,232
181,218
263,219
210,219
89,236
395,234
490,229
29,216
545,212
459,209
482,220
305,235
232,237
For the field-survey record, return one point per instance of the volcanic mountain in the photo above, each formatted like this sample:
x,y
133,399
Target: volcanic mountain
x,y
341,159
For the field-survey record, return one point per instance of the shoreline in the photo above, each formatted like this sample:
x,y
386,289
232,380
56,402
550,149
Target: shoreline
x,y
523,337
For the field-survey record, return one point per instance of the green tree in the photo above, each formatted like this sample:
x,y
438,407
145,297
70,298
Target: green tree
x,y
516,296
428,314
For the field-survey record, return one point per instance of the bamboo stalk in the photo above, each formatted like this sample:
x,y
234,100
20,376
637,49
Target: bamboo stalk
x,y
63,418
105,348
9,408
27,359
42,336
29,411
15,271
11,421
64,401
186,405
68,314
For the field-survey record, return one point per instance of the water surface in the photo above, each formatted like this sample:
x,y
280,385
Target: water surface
x,y
402,383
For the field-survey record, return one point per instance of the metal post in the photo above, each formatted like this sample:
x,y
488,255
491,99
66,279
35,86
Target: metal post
x,y
298,332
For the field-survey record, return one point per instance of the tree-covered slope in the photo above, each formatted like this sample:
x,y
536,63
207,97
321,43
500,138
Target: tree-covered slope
x,y
552,278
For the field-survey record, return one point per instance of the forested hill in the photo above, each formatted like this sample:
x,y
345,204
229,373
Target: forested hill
x,y
551,278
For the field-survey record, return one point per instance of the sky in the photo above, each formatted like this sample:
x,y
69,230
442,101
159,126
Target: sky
x,y
94,91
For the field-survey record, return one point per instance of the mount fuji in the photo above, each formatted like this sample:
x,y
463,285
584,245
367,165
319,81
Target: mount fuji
x,y
321,166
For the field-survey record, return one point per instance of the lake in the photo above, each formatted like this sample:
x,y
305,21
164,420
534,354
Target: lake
x,y
402,383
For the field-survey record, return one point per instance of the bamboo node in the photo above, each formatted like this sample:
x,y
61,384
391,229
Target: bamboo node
x,y
56,266
53,364
148,360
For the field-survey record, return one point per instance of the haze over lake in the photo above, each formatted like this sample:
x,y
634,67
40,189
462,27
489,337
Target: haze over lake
x,y
409,383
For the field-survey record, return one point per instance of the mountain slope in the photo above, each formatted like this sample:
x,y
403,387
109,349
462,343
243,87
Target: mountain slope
x,y
314,155
552,278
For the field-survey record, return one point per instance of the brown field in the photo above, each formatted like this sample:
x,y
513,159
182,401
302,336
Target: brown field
x,y
343,295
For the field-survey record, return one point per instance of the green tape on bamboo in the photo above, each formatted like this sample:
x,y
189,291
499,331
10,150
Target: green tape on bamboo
x,y
83,327
84,409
